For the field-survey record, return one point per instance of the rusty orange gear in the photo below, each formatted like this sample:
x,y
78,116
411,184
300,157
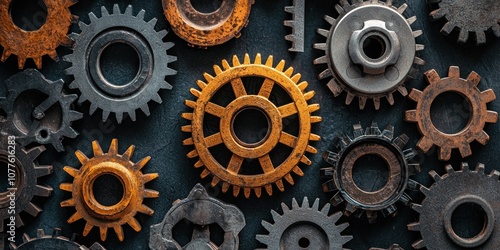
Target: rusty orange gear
x,y
132,179
230,175
35,44
210,29
479,114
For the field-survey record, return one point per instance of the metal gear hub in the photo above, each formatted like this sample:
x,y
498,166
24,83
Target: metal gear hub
x,y
135,32
52,241
134,192
370,51
230,174
479,114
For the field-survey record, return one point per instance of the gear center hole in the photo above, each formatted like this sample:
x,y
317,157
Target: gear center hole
x,y
108,190
251,127
468,220
370,173
119,63
28,15
450,112
374,46
205,6
44,134
304,242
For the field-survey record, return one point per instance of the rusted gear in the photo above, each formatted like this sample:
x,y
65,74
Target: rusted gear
x,y
393,247
479,114
207,29
127,29
53,241
38,110
134,192
35,44
201,210
449,191
476,17
340,177
304,227
275,77
352,63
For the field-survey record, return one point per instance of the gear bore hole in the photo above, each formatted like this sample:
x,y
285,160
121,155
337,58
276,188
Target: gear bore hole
x,y
44,134
370,173
450,112
119,63
108,190
374,46
468,220
28,15
304,242
205,6
251,127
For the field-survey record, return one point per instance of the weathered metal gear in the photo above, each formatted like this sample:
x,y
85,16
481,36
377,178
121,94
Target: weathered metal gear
x,y
297,25
207,29
38,110
133,181
479,114
275,77
127,29
37,43
476,17
340,177
54,241
201,210
360,25
304,227
392,247
449,191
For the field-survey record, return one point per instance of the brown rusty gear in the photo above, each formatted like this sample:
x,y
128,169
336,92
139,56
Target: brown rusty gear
x,y
479,114
210,29
274,77
134,192
35,44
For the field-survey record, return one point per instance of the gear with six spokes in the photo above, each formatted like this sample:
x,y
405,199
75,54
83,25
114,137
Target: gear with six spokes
x,y
53,241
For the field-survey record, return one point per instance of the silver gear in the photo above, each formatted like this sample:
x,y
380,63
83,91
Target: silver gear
x,y
314,227
139,34
354,71
297,24
52,241
449,191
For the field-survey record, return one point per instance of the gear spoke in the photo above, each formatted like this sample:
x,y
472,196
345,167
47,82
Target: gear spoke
x,y
201,232
288,139
214,109
235,163
213,140
288,110
266,163
267,87
238,87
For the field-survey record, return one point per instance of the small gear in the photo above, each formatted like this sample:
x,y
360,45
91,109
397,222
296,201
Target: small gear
x,y
38,110
340,177
54,241
297,25
451,190
476,17
133,181
207,29
130,30
302,226
201,210
35,44
370,51
479,114
393,247
275,78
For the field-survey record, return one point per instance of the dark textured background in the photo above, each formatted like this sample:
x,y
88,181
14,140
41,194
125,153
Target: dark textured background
x,y
160,136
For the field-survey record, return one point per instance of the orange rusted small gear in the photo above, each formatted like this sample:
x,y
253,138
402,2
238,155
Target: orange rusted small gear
x,y
134,192
35,44
479,113
207,29
275,77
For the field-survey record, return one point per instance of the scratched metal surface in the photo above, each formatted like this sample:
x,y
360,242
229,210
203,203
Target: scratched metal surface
x,y
160,135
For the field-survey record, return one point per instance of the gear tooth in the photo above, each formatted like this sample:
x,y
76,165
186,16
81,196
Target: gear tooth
x,y
246,59
38,62
285,208
339,9
315,205
258,191
322,32
116,9
119,117
140,15
236,61
449,169
40,233
5,54
488,96
264,239
276,216
258,59
247,192
132,115
204,173
295,204
215,181
419,244
225,65
362,102
145,109
104,11
349,209
269,61
153,22
93,108
103,232
424,144
325,74
463,36
465,150
268,226
417,33
480,168
444,153
26,238
491,117
296,78
83,25
320,46
435,175
321,60
75,217
21,61
349,98
415,226
447,28
305,202
371,216
192,154
269,189
465,167
236,190
411,20
474,78
289,179
390,98
416,207
330,20
281,65
93,18
495,174
279,184
480,37
156,97
128,10
402,8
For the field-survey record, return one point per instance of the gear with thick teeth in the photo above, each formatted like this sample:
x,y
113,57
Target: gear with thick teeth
x,y
52,241
134,31
479,113
298,109
382,144
449,192
134,192
370,51
301,226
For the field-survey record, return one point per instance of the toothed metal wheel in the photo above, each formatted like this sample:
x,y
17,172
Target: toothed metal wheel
x,y
451,191
54,241
297,24
393,247
370,51
371,142
304,227
124,28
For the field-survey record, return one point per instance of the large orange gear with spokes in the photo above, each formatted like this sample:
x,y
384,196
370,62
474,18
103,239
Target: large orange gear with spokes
x,y
231,174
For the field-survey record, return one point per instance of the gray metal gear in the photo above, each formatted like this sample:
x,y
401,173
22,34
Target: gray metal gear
x,y
131,30
449,191
469,17
38,110
201,210
392,247
370,51
382,144
297,24
302,227
54,241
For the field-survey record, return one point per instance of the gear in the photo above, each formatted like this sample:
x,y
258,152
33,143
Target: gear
x,y
275,78
297,25
38,110
479,114
304,226
474,17
371,142
201,210
393,247
202,29
370,51
35,44
451,190
133,181
127,29
54,241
